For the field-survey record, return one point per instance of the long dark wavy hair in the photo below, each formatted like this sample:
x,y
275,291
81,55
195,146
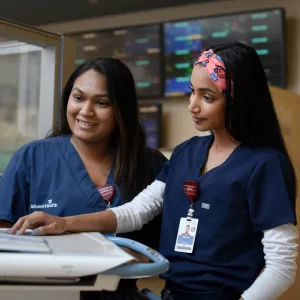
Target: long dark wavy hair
x,y
250,115
128,140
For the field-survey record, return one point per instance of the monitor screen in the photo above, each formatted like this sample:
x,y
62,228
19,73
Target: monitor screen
x,y
150,116
185,40
138,47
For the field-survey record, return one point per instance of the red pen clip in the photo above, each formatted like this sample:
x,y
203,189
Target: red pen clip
x,y
107,192
192,190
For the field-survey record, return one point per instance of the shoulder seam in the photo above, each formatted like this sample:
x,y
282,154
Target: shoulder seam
x,y
188,142
275,155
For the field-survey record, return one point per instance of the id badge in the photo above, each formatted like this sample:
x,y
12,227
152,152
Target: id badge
x,y
186,235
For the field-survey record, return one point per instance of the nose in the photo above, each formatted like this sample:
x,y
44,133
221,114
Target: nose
x,y
87,109
194,106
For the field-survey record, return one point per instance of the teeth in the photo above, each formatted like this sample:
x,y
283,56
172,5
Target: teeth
x,y
86,124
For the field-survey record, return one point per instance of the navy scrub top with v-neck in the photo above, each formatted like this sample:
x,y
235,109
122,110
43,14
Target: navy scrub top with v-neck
x,y
48,175
250,192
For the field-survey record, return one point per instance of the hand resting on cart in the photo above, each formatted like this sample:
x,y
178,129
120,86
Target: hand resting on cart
x,y
42,223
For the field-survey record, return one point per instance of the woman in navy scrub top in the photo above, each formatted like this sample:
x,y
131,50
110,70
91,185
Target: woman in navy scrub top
x,y
99,144
236,190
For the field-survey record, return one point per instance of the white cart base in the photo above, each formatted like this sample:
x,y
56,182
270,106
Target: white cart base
x,y
58,292
39,295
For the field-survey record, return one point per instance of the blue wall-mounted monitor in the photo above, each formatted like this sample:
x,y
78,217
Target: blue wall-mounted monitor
x,y
151,119
185,40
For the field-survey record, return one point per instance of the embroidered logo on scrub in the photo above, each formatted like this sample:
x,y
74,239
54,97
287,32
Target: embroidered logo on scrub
x,y
50,204
205,205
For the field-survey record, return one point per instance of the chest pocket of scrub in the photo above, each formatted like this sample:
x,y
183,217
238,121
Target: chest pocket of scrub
x,y
223,219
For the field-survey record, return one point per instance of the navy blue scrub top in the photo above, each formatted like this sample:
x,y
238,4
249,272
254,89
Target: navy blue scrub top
x,y
48,175
250,192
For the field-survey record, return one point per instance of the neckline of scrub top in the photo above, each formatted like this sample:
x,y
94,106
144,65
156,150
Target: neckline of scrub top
x,y
203,159
79,170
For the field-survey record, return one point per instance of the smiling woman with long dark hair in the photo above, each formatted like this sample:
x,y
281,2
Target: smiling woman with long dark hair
x,y
127,140
94,158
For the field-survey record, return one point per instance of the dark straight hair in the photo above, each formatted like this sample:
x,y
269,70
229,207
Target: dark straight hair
x,y
128,140
250,115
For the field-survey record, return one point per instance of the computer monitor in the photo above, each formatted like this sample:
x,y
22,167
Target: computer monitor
x,y
151,119
138,47
185,40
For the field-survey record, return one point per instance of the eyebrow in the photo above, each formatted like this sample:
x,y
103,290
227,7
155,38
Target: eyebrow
x,y
204,89
82,92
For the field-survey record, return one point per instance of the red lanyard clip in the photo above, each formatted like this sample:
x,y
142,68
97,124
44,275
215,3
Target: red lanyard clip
x,y
107,192
192,190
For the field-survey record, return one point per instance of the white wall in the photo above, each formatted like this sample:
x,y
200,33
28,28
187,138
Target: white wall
x,y
177,124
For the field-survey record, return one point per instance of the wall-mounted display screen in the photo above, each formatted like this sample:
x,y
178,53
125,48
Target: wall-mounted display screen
x,y
185,40
150,116
138,47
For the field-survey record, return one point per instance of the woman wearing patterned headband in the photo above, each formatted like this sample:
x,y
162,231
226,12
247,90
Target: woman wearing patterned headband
x,y
235,188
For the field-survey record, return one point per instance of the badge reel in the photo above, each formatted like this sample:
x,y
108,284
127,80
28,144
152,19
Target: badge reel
x,y
188,226
107,192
